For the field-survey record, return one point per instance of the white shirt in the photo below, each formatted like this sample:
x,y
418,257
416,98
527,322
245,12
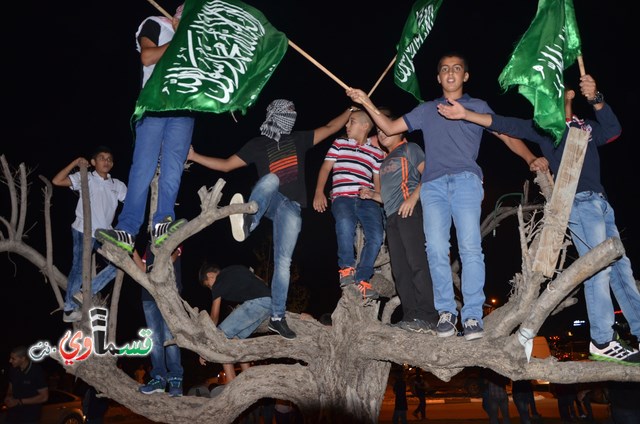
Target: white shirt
x,y
104,195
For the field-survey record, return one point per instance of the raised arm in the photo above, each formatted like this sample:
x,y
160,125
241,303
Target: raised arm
x,y
217,164
62,178
388,126
331,127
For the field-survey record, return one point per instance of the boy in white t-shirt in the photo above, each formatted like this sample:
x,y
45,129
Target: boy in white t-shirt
x,y
104,194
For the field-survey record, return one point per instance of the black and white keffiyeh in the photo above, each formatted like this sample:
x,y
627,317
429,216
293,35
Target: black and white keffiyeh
x,y
281,116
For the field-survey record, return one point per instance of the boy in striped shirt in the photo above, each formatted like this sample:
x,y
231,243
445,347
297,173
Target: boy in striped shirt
x,y
354,163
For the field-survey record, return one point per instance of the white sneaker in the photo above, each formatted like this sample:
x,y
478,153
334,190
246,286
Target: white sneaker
x,y
239,227
72,316
615,351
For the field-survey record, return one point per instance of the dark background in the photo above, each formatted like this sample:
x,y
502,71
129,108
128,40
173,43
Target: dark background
x,y
72,77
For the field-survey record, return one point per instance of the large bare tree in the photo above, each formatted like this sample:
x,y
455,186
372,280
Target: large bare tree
x,y
335,373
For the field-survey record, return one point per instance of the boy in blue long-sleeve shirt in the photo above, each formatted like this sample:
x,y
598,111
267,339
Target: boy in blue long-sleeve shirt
x,y
592,218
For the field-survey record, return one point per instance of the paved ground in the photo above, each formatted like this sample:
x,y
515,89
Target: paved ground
x,y
469,410
439,411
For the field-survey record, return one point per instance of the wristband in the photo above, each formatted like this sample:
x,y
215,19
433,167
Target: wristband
x,y
20,402
597,99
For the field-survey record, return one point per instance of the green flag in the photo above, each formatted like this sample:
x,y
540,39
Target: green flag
x,y
416,29
220,58
550,45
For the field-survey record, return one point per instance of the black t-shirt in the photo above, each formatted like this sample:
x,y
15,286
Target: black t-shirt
x,y
25,384
236,283
285,158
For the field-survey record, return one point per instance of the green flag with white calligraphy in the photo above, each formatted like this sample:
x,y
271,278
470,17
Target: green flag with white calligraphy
x,y
550,45
222,55
416,29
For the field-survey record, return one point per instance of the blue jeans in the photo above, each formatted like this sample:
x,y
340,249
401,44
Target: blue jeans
x,y
456,197
591,222
287,222
348,211
74,281
165,360
246,317
164,139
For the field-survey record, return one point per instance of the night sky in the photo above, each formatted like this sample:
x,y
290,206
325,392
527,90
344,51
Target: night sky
x,y
73,78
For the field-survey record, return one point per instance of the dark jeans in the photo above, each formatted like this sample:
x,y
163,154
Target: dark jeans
x,y
406,241
522,405
399,416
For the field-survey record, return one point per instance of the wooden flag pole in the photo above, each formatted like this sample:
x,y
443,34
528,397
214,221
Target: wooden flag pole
x,y
581,66
382,76
157,6
326,71
315,62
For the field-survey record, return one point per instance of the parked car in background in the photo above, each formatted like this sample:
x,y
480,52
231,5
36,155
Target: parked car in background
x,y
61,408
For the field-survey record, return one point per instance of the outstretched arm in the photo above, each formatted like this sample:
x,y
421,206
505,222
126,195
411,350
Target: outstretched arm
x,y
217,164
387,125
454,110
62,178
518,147
331,127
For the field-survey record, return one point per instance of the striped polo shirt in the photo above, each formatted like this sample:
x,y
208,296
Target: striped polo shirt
x,y
354,166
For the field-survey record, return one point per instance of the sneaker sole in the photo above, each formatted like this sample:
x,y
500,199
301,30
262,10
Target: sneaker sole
x,y
152,391
237,219
616,361
124,246
237,226
347,282
277,332
446,333
474,336
175,227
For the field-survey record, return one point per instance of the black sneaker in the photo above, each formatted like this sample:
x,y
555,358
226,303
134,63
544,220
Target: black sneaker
x,y
404,325
615,351
119,238
446,324
472,329
155,385
347,276
367,290
420,326
239,221
162,230
280,326
175,386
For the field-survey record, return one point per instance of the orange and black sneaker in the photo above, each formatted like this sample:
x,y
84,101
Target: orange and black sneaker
x,y
367,290
347,276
